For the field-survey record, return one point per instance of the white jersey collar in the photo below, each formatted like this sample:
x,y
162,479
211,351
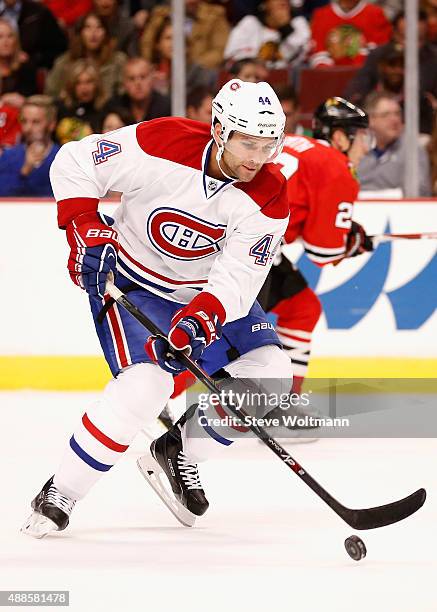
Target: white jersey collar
x,y
211,185
348,14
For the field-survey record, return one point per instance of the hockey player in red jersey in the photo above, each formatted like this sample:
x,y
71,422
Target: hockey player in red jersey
x,y
202,214
322,187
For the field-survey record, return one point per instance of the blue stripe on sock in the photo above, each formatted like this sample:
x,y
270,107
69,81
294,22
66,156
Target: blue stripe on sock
x,y
213,433
101,467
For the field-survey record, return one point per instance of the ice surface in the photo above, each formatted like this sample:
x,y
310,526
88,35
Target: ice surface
x,y
267,542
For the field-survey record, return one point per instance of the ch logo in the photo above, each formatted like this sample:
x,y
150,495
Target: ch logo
x,y
183,236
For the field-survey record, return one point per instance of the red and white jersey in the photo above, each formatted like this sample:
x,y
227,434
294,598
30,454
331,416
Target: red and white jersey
x,y
180,231
345,38
321,191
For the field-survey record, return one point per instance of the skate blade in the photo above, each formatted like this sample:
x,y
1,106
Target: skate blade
x,y
155,476
38,526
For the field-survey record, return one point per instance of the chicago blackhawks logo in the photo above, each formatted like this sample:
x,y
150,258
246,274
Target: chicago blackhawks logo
x,y
182,236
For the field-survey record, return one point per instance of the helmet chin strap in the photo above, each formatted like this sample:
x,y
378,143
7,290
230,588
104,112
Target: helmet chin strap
x,y
231,178
218,156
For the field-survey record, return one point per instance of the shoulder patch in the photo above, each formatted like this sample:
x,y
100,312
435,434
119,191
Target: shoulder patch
x,y
105,150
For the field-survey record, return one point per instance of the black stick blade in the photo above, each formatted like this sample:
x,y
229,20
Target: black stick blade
x,y
372,518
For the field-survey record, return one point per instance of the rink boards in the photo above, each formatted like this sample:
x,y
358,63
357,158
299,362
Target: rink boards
x,y
379,310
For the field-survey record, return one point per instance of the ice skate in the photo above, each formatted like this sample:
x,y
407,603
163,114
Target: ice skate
x,y
174,478
51,512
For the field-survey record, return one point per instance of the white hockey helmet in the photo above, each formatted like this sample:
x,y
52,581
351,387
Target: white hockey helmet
x,y
248,108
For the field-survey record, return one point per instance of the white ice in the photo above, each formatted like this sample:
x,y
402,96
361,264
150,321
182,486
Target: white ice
x,y
266,543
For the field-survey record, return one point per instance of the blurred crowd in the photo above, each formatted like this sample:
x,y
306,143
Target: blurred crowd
x,y
70,69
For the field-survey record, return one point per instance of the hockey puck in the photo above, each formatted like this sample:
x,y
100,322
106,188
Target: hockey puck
x,y
355,547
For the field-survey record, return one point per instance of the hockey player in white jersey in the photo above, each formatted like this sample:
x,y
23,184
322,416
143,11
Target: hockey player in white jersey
x,y
192,242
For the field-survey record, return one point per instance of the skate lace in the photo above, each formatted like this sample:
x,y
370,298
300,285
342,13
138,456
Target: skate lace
x,y
188,472
64,503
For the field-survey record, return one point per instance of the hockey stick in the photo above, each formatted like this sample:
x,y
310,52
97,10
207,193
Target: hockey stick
x,y
366,518
378,238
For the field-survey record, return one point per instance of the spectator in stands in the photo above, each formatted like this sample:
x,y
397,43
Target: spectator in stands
x,y
237,9
121,27
81,103
306,8
90,41
114,120
384,166
251,70
139,10
17,73
140,99
10,128
199,102
273,35
17,80
384,71
24,169
432,150
160,55
344,31
207,32
40,35
290,105
430,9
68,12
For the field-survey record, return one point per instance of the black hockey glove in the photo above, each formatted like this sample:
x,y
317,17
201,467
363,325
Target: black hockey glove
x,y
357,241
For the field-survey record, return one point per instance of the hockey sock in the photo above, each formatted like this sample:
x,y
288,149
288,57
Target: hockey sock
x,y
297,317
135,397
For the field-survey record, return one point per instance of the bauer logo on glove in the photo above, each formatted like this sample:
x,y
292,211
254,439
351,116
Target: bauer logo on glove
x,y
93,252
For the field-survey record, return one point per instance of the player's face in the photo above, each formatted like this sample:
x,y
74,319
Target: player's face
x,y
244,156
34,124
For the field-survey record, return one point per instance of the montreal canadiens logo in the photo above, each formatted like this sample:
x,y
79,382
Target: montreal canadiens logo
x,y
182,236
